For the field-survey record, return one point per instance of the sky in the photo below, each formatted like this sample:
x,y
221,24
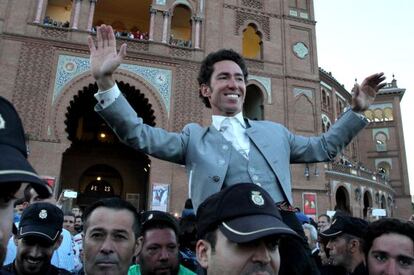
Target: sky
x,y
356,38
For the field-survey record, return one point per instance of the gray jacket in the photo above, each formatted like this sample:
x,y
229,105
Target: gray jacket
x,y
202,150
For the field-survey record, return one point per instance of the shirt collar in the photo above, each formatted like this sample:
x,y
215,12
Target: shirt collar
x,y
218,120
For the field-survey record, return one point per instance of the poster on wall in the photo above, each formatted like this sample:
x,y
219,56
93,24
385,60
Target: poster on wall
x,y
160,196
309,204
49,180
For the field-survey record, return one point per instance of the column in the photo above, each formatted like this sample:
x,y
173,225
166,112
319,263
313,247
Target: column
x,y
197,21
153,12
76,14
165,26
39,10
91,14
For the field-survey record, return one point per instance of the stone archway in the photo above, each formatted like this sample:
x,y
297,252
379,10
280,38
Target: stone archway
x,y
367,203
253,103
93,144
342,200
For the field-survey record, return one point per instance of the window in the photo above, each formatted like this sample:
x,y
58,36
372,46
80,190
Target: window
x,y
129,20
58,13
252,42
299,8
181,27
381,142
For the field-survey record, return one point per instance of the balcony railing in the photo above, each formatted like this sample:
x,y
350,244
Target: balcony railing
x,y
361,172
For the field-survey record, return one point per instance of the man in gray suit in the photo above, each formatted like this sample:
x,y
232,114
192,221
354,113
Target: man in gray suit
x,y
233,149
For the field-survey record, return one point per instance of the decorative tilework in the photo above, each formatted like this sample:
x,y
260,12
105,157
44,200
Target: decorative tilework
x,y
380,106
267,84
299,91
70,67
160,2
184,2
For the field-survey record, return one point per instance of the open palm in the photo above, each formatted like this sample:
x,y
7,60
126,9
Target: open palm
x,y
104,57
364,95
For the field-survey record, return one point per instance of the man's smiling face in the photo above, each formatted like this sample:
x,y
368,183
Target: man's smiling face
x,y
227,89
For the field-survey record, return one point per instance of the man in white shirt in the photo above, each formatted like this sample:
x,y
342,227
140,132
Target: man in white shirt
x,y
234,149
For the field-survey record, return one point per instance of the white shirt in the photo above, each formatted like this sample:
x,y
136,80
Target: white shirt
x,y
236,134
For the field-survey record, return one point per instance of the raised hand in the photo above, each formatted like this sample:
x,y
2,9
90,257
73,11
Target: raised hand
x,y
104,57
364,95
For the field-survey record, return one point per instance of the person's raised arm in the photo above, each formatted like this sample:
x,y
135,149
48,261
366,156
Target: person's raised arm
x,y
104,58
364,95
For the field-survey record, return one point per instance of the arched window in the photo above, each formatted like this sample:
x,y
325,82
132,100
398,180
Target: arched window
x,y
384,169
381,141
378,115
252,42
253,103
130,19
388,116
181,27
58,13
369,115
323,98
326,123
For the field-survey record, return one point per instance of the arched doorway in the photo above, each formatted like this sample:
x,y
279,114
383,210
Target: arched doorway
x,y
367,204
342,200
97,164
253,103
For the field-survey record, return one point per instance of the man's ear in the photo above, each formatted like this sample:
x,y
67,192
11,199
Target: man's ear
x,y
354,245
138,246
205,90
58,242
203,251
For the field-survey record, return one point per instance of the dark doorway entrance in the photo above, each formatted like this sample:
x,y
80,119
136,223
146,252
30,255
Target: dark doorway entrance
x,y
97,164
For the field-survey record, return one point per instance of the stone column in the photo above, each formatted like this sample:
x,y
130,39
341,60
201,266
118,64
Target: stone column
x,y
197,21
91,14
153,13
76,14
39,11
165,26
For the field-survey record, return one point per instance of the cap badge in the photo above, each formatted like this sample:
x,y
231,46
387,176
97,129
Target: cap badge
x,y
150,217
43,214
2,123
257,198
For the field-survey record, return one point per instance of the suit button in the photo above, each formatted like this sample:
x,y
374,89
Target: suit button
x,y
216,178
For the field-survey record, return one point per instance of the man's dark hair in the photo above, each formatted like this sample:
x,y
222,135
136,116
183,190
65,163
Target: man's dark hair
x,y
211,237
26,193
158,225
116,204
326,216
207,68
387,226
19,202
67,213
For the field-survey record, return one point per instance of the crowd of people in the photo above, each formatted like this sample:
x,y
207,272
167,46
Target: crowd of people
x,y
239,218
